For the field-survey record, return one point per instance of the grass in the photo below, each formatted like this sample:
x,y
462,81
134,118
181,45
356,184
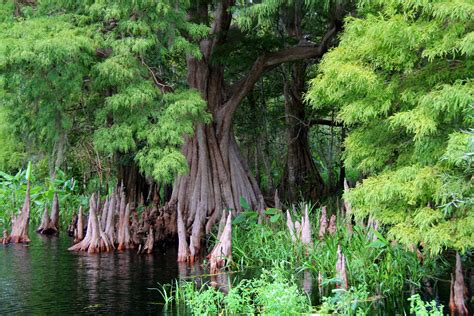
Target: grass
x,y
377,269
385,268
273,292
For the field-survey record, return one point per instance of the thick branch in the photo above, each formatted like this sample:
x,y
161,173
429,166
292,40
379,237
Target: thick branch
x,y
267,62
221,24
324,122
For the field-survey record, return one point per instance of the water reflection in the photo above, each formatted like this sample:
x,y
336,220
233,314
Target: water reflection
x,y
45,278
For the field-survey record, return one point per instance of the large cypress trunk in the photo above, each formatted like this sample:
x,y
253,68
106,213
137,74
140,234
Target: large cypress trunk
x,y
301,179
218,175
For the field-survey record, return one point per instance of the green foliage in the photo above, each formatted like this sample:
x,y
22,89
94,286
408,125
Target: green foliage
x,y
93,74
274,292
401,80
12,151
346,302
382,268
13,191
421,308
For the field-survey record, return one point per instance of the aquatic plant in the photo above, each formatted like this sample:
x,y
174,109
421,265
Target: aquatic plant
x,y
385,268
422,308
275,291
346,302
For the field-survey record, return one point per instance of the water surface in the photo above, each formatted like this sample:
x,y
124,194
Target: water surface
x,y
43,277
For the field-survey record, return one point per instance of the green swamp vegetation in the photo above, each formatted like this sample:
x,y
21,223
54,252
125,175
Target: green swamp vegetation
x,y
156,118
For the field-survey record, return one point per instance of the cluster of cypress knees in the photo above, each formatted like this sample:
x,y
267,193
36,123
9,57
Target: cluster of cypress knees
x,y
113,224
108,227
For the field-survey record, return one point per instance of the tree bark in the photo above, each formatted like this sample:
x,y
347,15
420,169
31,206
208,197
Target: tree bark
x,y
55,212
20,223
457,299
222,252
79,230
95,240
301,179
6,238
136,186
218,176
46,227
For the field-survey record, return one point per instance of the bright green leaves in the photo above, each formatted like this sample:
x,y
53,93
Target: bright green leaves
x,y
89,73
402,79
43,63
133,97
161,157
460,150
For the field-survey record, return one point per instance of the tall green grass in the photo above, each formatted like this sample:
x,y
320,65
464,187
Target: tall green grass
x,y
382,267
378,271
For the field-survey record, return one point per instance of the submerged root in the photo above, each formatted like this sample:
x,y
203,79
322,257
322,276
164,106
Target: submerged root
x,y
20,223
47,226
222,252
95,240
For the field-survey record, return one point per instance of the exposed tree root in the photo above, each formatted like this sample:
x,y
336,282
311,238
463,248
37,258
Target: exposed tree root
x,y
20,223
55,212
290,225
341,269
149,243
222,252
457,299
6,238
47,226
323,223
332,225
123,234
95,240
79,229
306,230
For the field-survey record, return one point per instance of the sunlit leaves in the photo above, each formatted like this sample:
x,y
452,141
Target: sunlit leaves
x,y
402,79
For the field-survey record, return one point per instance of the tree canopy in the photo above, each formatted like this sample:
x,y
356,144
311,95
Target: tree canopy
x,y
401,80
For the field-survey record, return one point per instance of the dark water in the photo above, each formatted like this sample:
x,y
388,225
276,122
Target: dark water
x,y
43,277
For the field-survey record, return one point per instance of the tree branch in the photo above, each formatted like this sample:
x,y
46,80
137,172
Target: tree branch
x,y
324,122
266,62
223,18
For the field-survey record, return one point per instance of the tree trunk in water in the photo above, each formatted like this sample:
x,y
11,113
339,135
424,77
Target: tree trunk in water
x,y
20,223
46,227
217,179
79,230
6,238
124,240
96,240
222,252
218,175
301,179
55,212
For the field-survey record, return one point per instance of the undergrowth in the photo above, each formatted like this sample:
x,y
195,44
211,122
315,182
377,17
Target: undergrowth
x,y
377,269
